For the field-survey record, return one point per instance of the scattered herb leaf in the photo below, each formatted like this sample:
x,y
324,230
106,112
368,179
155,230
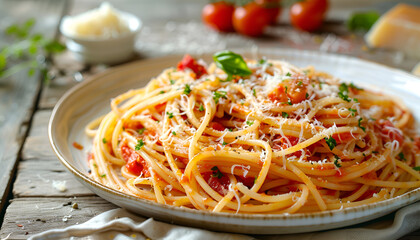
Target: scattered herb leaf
x,y
284,114
219,94
139,145
336,163
216,172
331,142
359,122
187,89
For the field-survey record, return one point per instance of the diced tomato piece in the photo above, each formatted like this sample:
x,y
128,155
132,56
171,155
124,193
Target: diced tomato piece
x,y
190,63
135,163
217,126
220,185
77,146
331,192
292,90
278,95
388,130
247,181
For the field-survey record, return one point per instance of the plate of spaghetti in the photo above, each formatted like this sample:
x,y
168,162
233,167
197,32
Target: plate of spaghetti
x,y
282,141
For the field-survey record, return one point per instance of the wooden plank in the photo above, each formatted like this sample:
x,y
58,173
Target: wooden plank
x,y
36,178
40,167
27,216
19,92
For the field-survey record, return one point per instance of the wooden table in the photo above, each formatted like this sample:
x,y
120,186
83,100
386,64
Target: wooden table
x,y
28,202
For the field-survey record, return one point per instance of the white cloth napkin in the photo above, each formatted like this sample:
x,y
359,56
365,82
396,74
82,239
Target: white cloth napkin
x,y
118,224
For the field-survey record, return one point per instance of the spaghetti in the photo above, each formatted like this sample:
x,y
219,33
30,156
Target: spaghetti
x,y
255,137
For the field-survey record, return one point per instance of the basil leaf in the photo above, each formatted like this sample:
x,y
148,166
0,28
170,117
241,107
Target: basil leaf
x,y
232,63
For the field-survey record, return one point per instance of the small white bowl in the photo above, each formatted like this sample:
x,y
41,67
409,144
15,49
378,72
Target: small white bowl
x,y
107,50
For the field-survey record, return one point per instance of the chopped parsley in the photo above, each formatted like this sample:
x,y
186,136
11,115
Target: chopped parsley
x,y
216,172
172,81
353,111
331,142
174,133
336,163
162,92
201,108
141,130
262,61
417,168
140,144
230,129
187,89
360,121
285,89
401,156
219,94
102,175
289,101
375,152
170,115
104,140
224,143
306,95
344,96
300,83
254,92
344,92
284,114
288,74
249,123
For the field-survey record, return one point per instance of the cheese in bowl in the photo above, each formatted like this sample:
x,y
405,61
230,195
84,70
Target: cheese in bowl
x,y
102,35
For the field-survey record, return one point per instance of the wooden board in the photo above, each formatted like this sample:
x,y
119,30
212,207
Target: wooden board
x,y
19,92
27,216
40,167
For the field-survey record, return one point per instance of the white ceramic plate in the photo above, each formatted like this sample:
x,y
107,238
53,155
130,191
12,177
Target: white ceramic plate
x,y
91,99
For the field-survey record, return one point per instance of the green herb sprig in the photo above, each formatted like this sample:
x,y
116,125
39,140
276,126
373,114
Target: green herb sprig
x,y
26,49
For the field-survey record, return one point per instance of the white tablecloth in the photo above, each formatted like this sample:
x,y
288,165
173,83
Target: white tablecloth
x,y
121,225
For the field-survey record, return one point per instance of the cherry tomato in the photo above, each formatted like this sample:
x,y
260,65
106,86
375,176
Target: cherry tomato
x,y
218,16
308,15
190,63
272,8
250,19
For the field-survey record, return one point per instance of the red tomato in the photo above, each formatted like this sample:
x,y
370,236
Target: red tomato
x,y
189,62
251,19
388,130
308,15
293,89
272,9
247,181
135,163
218,16
220,185
217,126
